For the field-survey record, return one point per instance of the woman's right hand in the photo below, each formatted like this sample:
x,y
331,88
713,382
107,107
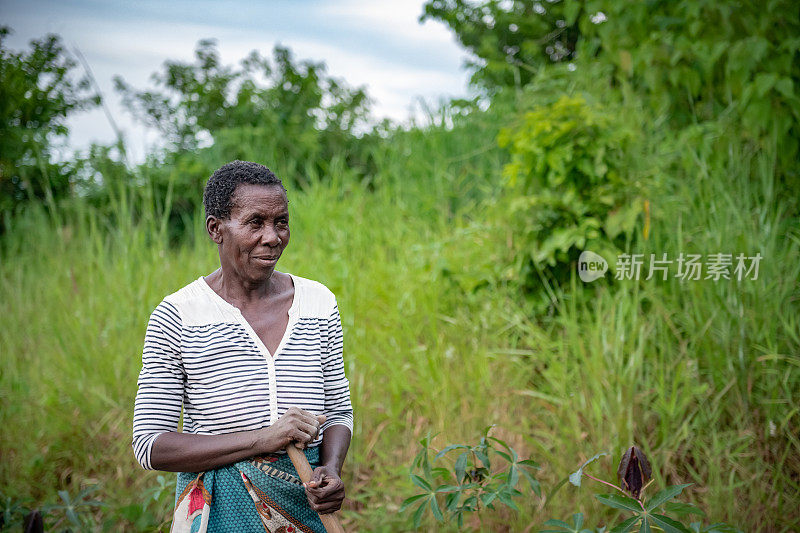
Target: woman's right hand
x,y
296,425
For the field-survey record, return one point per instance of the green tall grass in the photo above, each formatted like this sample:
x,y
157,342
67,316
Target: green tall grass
x,y
702,375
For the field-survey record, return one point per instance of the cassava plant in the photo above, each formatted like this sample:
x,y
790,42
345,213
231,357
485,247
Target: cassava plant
x,y
658,512
475,478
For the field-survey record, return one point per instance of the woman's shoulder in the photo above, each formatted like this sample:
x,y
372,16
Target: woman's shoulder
x,y
189,303
190,291
316,299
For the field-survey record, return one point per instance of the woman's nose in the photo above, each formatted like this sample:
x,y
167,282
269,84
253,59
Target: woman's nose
x,y
269,236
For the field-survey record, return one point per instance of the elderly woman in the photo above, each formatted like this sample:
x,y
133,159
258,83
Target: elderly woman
x,y
254,357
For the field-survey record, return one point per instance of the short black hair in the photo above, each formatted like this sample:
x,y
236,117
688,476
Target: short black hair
x,y
218,194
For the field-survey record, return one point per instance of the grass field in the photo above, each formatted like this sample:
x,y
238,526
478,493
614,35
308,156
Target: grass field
x,y
703,375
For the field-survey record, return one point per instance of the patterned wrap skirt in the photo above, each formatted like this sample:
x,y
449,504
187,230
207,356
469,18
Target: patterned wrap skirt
x,y
256,495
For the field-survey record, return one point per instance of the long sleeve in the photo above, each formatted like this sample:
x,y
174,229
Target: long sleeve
x,y
338,408
161,382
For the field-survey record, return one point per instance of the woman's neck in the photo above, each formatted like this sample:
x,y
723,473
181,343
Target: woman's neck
x,y
244,291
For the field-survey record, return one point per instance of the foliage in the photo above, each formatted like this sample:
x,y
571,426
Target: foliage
x,y
38,91
513,39
695,60
207,96
703,60
575,527
570,185
472,484
147,511
310,116
69,513
660,511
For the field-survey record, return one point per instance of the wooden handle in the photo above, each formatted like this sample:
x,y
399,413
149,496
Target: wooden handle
x,y
330,520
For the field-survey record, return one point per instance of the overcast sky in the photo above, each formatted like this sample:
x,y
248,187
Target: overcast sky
x,y
376,43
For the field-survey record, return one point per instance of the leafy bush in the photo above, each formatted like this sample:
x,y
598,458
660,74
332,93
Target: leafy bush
x,y
471,484
693,60
38,91
569,185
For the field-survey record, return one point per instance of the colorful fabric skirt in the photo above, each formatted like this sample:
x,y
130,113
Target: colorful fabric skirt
x,y
260,494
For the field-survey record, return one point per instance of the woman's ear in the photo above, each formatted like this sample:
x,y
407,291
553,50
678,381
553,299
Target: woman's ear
x,y
214,230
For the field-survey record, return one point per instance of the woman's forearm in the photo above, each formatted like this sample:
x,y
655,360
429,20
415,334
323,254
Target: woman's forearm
x,y
186,452
335,443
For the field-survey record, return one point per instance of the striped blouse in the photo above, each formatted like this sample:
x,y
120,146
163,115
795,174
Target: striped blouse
x,y
201,354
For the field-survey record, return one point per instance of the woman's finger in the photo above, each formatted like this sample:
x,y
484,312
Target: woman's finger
x,y
303,433
328,510
329,492
327,507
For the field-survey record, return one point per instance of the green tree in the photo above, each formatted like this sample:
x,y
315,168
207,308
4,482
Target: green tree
x,y
38,91
694,60
510,39
299,101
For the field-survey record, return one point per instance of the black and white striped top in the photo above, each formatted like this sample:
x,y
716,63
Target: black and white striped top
x,y
200,353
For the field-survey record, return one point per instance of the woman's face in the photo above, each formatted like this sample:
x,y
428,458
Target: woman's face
x,y
254,237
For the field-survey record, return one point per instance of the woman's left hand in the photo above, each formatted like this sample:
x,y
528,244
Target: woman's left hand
x,y
325,490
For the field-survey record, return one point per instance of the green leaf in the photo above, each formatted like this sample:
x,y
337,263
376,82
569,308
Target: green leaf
x,y
645,527
450,448
575,477
622,220
785,86
418,515
577,520
619,502
437,513
448,488
668,524
530,463
625,526
488,497
421,483
73,517
764,82
503,455
483,458
461,466
408,501
506,499
558,523
501,443
720,527
441,472
513,475
680,509
471,502
451,501
535,487
664,496
571,12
